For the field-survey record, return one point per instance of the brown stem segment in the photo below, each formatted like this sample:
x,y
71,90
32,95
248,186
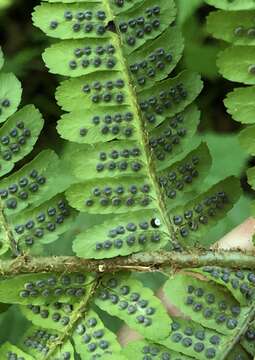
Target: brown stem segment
x,y
144,262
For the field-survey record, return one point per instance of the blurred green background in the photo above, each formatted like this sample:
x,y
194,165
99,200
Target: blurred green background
x,y
23,44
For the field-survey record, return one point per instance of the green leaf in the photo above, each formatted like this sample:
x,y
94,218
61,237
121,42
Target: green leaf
x,y
180,181
206,303
35,183
248,340
237,29
139,349
119,195
241,284
54,316
246,138
177,133
107,160
160,21
232,5
18,136
51,18
39,288
166,50
58,315
1,58
128,299
10,95
240,105
60,57
184,88
7,350
236,63
45,340
92,327
194,219
87,87
204,343
98,125
42,224
122,235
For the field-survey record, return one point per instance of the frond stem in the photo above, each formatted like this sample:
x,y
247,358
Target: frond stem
x,y
141,262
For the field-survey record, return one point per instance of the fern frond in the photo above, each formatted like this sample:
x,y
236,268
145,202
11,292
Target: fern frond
x,y
132,123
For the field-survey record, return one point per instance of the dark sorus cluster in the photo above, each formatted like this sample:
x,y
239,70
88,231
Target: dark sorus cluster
x,y
250,334
13,356
141,26
122,3
99,57
149,67
93,336
170,135
88,21
58,312
40,340
4,103
51,286
200,340
132,303
174,181
109,92
12,142
120,196
43,223
200,215
149,352
22,189
241,31
212,308
241,281
158,105
121,161
131,234
113,124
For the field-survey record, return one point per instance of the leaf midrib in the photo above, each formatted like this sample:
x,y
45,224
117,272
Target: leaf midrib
x,y
143,134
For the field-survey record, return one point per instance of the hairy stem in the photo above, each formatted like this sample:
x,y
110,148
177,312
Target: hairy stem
x,y
144,262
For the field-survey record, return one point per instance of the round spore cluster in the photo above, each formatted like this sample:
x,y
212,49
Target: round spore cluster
x,y
201,213
131,234
241,281
87,22
137,29
52,287
120,196
211,307
130,302
43,223
175,180
158,105
12,142
90,58
23,187
166,138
